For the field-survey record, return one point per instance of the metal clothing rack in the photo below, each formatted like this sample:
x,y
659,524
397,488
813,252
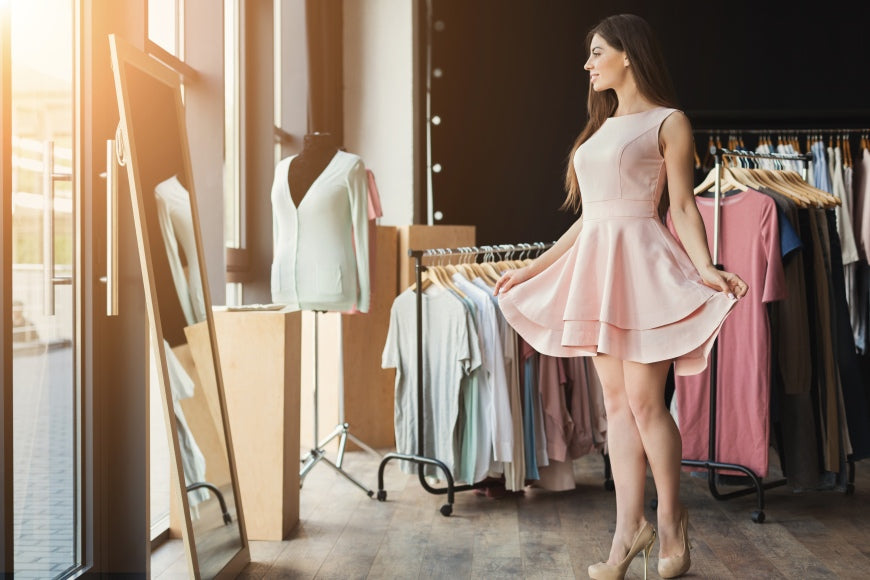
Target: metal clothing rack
x,y
420,458
777,131
710,463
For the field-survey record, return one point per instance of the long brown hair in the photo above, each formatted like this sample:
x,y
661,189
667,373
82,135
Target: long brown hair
x,y
633,35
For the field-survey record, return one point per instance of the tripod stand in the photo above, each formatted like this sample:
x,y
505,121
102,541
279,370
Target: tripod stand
x,y
342,430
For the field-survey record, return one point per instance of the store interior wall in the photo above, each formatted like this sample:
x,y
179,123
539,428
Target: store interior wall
x,y
380,108
512,96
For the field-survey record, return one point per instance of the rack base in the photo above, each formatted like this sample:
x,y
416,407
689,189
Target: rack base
x,y
451,488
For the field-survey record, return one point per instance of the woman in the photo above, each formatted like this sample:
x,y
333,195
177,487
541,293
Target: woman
x,y
619,287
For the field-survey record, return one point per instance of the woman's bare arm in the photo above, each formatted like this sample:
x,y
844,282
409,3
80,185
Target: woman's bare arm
x,y
513,277
678,150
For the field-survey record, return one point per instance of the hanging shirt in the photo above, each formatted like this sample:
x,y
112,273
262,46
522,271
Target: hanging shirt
x,y
502,429
558,423
821,175
496,440
844,210
450,352
750,248
321,247
862,195
529,385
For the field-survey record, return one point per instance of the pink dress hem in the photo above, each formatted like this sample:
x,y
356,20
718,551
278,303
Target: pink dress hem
x,y
687,344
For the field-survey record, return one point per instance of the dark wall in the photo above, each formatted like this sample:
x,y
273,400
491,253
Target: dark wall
x,y
512,96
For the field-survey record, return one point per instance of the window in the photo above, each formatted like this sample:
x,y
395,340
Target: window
x,y
166,25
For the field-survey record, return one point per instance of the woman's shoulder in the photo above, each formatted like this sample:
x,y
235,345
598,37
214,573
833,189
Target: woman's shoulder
x,y
674,121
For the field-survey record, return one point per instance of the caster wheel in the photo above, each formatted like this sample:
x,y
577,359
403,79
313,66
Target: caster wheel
x,y
608,485
382,495
758,517
446,509
850,489
654,503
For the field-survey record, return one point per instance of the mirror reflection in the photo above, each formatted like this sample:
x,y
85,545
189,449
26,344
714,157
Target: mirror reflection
x,y
162,181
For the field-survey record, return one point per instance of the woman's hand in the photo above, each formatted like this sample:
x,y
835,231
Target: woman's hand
x,y
724,281
511,278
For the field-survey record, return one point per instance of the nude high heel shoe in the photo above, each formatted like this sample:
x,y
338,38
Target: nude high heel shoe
x,y
643,542
674,566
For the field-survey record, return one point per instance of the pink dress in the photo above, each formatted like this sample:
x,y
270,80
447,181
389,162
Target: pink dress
x,y
750,245
626,287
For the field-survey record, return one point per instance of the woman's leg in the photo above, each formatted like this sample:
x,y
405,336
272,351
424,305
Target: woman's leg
x,y
627,458
645,387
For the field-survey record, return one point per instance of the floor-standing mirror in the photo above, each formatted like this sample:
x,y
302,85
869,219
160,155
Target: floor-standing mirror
x,y
185,356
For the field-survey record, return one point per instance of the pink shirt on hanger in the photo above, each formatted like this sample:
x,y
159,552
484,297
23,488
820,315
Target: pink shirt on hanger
x,y
750,248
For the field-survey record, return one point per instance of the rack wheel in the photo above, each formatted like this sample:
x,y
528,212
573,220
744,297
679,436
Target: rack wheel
x,y
608,485
446,509
850,489
758,517
382,495
654,503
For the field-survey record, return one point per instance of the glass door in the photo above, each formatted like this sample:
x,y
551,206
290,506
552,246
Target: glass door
x,y
45,425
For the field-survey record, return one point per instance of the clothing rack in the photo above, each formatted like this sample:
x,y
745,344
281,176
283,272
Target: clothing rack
x,y
420,459
790,131
710,463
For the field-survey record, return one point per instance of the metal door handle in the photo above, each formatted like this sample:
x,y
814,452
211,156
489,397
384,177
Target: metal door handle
x,y
111,229
49,178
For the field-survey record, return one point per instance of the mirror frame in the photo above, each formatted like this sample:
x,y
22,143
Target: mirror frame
x,y
123,54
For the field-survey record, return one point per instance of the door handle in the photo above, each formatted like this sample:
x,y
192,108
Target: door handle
x,y
111,228
49,178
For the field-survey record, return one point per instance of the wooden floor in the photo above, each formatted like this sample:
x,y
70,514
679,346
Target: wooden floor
x,y
539,534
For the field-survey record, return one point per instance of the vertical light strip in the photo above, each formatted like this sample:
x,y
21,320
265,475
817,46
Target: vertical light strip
x,y
80,541
430,196
278,49
233,135
6,499
179,30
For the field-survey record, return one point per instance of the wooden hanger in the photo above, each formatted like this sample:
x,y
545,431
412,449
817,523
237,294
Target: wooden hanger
x,y
792,184
774,180
442,275
728,181
746,176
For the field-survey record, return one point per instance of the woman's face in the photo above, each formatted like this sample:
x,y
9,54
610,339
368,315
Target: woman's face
x,y
607,66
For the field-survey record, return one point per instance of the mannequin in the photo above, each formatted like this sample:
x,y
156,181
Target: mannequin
x,y
318,149
324,239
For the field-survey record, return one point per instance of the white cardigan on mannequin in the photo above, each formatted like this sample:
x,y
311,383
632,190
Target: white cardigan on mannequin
x,y
321,248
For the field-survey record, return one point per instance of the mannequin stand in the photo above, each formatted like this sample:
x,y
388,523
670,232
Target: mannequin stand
x,y
342,430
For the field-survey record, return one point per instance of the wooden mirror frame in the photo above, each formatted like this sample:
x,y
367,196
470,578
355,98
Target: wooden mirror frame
x,y
124,54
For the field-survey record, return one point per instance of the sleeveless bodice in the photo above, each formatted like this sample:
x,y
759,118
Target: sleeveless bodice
x,y
620,169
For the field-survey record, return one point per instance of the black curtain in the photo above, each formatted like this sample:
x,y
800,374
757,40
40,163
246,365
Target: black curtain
x,y
323,22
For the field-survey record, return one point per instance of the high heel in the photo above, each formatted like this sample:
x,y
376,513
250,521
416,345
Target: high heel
x,y
643,542
674,566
